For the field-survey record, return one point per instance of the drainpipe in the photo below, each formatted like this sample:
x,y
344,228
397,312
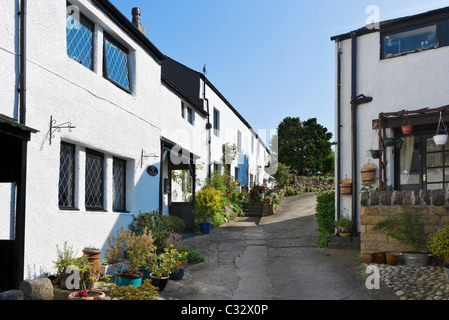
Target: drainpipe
x,y
209,130
22,90
354,129
339,140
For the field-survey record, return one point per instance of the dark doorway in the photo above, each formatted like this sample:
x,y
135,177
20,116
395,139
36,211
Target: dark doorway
x,y
179,177
13,141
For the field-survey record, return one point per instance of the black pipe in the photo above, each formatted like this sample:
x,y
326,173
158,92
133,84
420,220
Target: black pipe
x,y
339,140
354,128
209,130
22,113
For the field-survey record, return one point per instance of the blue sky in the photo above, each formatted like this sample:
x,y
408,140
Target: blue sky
x,y
270,59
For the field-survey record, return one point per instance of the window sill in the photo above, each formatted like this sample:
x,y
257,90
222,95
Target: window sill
x,y
68,209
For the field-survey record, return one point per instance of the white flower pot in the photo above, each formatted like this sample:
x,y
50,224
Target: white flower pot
x,y
440,140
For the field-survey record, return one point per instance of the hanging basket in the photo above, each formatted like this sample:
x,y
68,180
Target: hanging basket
x,y
407,128
389,142
441,139
346,187
368,172
376,154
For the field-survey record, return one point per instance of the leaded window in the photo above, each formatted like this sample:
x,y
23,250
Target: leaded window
x,y
116,63
119,178
67,176
94,180
79,34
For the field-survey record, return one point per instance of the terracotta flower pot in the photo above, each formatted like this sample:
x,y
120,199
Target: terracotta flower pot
x,y
380,257
368,257
407,129
91,295
392,258
93,256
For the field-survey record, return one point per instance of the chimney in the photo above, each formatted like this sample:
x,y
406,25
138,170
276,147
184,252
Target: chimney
x,y
136,12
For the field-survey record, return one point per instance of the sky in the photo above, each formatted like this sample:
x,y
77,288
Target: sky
x,y
270,59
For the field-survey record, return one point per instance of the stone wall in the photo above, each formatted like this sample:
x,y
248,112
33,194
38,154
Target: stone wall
x,y
316,183
433,206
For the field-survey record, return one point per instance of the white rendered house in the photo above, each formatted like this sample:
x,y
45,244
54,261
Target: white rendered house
x,y
87,122
389,77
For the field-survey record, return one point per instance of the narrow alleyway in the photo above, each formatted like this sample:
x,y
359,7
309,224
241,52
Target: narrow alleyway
x,y
273,258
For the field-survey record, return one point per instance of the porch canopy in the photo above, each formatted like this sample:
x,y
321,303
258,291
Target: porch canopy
x,y
394,120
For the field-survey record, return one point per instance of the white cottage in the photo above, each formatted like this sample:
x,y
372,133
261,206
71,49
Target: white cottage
x,y
389,78
90,129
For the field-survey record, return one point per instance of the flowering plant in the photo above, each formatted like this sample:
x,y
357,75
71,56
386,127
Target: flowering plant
x,y
81,294
165,263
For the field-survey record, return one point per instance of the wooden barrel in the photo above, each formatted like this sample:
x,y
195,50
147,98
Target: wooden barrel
x,y
369,172
346,187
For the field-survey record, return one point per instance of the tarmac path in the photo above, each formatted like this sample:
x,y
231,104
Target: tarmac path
x,y
273,258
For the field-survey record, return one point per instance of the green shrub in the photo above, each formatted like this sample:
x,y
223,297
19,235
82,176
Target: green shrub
x,y
146,291
438,242
407,229
325,217
193,256
160,226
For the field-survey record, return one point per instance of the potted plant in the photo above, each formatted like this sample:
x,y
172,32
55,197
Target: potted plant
x,y
137,247
208,203
392,258
93,255
87,295
163,265
438,243
178,273
407,229
344,227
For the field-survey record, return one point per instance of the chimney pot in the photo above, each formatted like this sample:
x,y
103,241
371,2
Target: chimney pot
x,y
136,12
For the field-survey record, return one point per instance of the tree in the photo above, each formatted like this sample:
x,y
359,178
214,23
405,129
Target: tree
x,y
283,176
305,146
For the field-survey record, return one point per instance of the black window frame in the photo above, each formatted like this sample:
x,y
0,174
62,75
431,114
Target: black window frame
x,y
65,145
424,133
216,122
114,162
442,37
102,181
107,37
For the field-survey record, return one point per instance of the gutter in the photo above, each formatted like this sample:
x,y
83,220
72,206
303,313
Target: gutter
x,y
354,128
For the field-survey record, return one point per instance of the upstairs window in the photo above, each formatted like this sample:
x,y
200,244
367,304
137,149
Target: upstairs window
x,y
414,40
79,34
116,63
216,122
239,141
187,113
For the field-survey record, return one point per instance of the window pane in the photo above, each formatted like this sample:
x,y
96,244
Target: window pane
x,y
190,115
94,180
410,40
410,161
435,186
116,61
435,175
80,40
435,159
432,147
67,176
119,173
